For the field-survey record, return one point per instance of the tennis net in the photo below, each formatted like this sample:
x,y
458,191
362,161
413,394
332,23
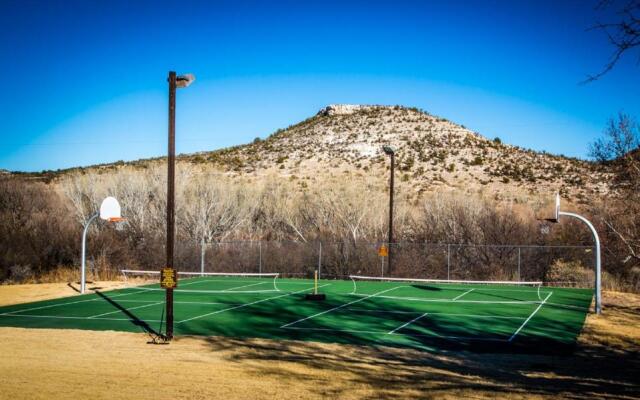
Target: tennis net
x,y
440,290
206,282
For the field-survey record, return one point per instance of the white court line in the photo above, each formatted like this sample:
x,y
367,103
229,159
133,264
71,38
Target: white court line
x,y
530,316
338,307
467,292
450,300
82,318
247,304
240,287
434,313
398,334
407,323
69,303
125,310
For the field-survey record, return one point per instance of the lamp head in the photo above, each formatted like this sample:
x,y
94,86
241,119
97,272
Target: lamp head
x,y
185,80
389,150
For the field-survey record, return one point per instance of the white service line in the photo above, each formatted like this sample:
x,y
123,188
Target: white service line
x,y
407,323
530,316
69,303
126,309
467,292
338,307
247,304
240,287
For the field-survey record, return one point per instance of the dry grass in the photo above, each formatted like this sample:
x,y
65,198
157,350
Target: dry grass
x,y
15,294
56,364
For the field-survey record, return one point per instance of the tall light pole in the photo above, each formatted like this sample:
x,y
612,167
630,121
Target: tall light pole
x,y
392,153
174,82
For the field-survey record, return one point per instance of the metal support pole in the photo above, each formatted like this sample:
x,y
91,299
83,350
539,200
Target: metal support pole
x,y
596,239
260,256
320,260
202,253
84,253
391,184
519,264
171,176
448,262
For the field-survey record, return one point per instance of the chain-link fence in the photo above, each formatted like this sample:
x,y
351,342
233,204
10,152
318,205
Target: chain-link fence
x,y
567,265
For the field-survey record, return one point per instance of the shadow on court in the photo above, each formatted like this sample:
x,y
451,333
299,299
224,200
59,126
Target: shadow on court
x,y
134,319
547,333
590,371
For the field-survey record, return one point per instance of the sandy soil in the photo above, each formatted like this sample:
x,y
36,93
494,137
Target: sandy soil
x,y
57,364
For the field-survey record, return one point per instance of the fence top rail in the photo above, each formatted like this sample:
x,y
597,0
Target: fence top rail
x,y
541,246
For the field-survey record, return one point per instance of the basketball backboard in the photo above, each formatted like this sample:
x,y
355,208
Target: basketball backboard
x,y
110,210
548,208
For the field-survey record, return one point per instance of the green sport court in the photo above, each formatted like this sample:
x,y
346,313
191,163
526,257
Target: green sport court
x,y
420,314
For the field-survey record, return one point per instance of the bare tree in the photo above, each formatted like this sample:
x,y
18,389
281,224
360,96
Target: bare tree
x,y
623,35
620,148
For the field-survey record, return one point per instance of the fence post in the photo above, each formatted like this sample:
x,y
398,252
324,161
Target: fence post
x,y
448,261
202,257
320,260
260,256
518,264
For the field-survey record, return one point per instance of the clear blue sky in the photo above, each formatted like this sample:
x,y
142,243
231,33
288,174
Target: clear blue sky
x,y
84,82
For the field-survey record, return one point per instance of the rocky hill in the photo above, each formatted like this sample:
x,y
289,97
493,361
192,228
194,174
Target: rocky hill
x,y
432,153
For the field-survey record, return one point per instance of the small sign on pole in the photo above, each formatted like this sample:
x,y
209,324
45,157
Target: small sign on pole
x,y
168,278
383,251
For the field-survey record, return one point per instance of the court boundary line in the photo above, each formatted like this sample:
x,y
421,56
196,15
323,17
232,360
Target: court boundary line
x,y
467,292
126,309
338,307
70,317
383,333
392,332
73,302
530,316
435,313
247,304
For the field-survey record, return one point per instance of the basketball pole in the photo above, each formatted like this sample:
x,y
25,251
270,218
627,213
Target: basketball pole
x,y
596,239
171,175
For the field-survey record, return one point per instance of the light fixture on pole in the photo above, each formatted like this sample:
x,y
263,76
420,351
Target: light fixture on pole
x,y
168,274
390,151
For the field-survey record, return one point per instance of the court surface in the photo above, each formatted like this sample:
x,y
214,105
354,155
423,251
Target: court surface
x,y
505,318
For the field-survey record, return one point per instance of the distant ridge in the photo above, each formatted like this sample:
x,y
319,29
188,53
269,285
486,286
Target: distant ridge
x,y
344,141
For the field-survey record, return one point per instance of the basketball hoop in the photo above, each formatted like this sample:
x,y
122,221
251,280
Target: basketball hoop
x,y
544,228
110,212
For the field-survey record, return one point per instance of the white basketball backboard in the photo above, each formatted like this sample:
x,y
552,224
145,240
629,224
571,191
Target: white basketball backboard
x,y
110,209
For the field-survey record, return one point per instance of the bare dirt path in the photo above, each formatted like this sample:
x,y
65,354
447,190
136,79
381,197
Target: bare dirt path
x,y
60,364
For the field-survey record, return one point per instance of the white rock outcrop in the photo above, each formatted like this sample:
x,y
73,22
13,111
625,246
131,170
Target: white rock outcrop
x,y
343,109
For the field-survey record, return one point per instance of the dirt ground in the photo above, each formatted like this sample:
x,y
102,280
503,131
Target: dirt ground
x,y
60,364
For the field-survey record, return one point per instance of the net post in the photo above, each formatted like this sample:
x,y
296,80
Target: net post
x,y
315,282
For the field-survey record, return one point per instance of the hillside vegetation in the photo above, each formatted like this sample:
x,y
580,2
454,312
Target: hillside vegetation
x,y
322,180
